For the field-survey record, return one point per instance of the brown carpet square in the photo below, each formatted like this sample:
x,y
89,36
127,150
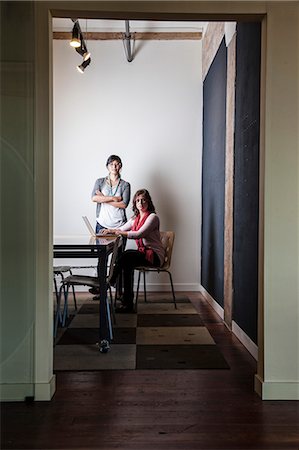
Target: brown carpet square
x,y
90,308
79,336
89,336
179,357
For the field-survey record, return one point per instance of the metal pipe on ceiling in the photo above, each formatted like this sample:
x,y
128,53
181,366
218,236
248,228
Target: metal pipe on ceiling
x,y
128,42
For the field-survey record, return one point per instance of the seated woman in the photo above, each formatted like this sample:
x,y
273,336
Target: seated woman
x,y
144,228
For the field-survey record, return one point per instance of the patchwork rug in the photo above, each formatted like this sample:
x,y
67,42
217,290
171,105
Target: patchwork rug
x,y
157,337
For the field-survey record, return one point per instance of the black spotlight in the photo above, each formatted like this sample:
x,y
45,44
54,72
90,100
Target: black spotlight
x,y
83,66
82,50
76,41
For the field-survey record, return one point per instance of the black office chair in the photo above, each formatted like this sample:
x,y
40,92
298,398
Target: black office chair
x,y
85,280
167,238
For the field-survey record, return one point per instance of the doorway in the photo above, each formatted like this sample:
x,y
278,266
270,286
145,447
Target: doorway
x,y
100,109
123,15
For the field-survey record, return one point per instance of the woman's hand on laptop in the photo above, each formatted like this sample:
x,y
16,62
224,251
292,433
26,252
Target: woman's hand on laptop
x,y
115,231
108,231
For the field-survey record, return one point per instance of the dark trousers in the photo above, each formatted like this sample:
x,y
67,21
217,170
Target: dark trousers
x,y
125,266
119,282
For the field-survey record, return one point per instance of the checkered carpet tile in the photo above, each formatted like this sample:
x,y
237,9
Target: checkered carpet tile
x,y
157,337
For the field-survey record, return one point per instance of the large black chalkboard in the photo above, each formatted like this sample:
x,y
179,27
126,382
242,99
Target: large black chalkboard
x,y
213,176
246,185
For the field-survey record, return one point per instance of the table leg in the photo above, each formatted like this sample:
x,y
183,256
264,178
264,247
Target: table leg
x,y
104,335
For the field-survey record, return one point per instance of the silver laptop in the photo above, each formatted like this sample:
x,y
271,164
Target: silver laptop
x,y
91,230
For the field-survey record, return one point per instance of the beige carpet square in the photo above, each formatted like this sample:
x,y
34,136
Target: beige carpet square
x,y
88,357
165,308
173,336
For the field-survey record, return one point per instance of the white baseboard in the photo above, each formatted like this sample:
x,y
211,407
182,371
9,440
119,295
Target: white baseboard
x,y
45,391
236,330
156,287
18,392
165,287
245,340
217,308
276,390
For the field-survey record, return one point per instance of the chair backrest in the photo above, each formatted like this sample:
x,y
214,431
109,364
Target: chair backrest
x,y
167,239
113,258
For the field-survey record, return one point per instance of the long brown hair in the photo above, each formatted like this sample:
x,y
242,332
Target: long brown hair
x,y
146,195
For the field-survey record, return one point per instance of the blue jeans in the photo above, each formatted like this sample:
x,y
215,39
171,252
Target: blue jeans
x,y
99,227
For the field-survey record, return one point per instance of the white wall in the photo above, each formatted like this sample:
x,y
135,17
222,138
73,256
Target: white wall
x,y
149,112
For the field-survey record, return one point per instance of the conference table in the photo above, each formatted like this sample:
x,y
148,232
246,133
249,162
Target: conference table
x,y
91,247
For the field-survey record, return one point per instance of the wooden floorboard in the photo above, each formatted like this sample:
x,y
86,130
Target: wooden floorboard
x,y
142,410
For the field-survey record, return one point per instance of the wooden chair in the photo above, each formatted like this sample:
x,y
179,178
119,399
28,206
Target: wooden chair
x,y
85,280
167,238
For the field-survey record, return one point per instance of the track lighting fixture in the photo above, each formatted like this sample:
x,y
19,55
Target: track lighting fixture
x,y
76,41
127,40
83,66
86,56
82,50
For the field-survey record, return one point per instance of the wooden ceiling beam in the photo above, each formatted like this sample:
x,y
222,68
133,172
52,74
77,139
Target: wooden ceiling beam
x,y
154,36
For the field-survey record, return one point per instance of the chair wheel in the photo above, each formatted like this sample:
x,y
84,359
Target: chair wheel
x,y
104,346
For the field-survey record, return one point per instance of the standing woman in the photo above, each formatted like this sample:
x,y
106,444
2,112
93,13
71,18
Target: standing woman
x,y
144,227
112,196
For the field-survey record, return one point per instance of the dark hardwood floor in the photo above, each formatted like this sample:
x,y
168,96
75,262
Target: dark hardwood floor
x,y
140,410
